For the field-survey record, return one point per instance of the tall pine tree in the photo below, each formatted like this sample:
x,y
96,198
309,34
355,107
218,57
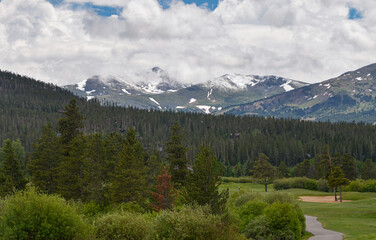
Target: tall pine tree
x,y
202,184
70,124
11,175
45,161
128,180
263,170
176,156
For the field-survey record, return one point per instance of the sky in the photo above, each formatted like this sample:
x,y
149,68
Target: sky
x,y
66,41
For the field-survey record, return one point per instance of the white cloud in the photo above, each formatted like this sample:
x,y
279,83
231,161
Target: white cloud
x,y
309,40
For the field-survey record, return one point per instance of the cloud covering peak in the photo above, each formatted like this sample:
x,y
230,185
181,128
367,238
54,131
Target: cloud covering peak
x,y
305,40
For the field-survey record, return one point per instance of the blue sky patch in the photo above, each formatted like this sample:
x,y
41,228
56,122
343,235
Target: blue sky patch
x,y
211,4
106,11
354,13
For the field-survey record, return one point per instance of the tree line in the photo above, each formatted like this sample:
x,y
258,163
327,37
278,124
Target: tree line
x,y
112,169
26,106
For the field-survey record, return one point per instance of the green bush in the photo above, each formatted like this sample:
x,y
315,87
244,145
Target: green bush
x,y
258,228
283,220
250,210
296,182
123,225
31,215
362,186
322,185
240,198
275,197
192,223
246,179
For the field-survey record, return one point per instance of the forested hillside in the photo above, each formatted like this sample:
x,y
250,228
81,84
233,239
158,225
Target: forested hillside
x,y
27,105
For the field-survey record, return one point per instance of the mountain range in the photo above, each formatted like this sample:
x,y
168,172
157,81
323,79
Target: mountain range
x,y
349,97
159,91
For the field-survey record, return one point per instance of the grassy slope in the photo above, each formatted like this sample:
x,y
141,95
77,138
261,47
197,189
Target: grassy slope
x,y
357,219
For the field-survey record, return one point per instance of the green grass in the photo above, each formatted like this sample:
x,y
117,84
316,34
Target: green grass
x,y
356,219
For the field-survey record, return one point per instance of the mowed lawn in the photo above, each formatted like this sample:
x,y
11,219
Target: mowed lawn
x,y
356,219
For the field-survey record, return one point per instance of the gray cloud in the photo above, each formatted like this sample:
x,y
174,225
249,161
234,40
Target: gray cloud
x,y
305,40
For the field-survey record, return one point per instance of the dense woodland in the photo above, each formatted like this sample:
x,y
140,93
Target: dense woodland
x,y
118,165
26,106
122,192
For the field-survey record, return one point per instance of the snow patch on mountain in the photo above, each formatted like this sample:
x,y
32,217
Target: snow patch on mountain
x,y
232,82
287,86
180,107
89,97
125,90
153,100
204,108
192,100
81,85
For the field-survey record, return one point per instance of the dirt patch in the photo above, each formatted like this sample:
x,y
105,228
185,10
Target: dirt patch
x,y
320,199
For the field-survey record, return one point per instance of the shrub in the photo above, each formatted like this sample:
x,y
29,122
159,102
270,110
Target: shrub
x,y
278,197
238,199
246,179
297,182
123,225
33,216
322,185
362,186
192,223
283,220
250,210
259,228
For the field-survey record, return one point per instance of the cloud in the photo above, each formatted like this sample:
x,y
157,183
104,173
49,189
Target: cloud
x,y
305,40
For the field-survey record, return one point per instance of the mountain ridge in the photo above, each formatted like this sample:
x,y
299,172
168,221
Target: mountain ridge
x,y
165,93
348,97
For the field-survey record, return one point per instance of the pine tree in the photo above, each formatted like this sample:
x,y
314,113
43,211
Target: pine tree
x,y
202,184
45,161
94,169
165,193
348,166
114,144
176,156
71,169
128,180
69,125
337,180
368,170
305,169
263,170
11,175
283,171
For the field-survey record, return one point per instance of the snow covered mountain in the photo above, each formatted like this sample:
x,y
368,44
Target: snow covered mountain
x,y
348,97
157,90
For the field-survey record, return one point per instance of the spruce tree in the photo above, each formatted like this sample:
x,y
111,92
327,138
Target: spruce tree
x,y
11,175
263,170
94,169
128,180
348,166
337,180
176,156
202,184
283,171
70,124
114,144
368,170
45,161
71,170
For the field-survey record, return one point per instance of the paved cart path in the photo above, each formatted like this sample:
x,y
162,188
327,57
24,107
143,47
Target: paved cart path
x,y
315,227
